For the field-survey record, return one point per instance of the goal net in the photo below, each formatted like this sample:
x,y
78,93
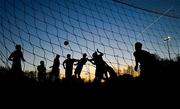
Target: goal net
x,y
111,26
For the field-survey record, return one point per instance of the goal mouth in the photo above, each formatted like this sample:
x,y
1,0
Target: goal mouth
x,y
45,28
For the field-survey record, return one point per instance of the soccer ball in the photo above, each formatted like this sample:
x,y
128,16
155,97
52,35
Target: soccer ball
x,y
66,43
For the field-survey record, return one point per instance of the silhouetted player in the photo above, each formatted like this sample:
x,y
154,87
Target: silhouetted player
x,y
103,64
145,59
79,67
100,66
68,66
41,72
55,68
111,72
16,57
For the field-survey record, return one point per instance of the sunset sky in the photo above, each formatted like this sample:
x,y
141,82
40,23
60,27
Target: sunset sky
x,y
42,26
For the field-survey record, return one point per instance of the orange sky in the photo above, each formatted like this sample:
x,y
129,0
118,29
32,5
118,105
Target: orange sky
x,y
88,74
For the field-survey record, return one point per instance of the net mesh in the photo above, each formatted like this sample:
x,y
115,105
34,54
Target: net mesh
x,y
42,26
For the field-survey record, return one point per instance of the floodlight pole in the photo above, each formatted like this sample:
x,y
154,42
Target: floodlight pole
x,y
168,49
167,40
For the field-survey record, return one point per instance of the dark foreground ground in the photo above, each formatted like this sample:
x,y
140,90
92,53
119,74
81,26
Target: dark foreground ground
x,y
161,87
123,91
121,86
